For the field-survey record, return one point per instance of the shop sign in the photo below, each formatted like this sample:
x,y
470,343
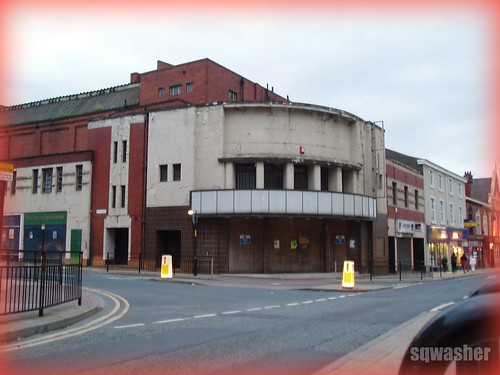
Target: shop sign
x,y
6,171
437,234
405,226
469,223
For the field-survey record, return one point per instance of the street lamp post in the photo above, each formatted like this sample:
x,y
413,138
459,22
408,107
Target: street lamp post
x,y
194,218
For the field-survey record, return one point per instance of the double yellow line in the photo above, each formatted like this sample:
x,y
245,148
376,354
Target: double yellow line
x,y
120,308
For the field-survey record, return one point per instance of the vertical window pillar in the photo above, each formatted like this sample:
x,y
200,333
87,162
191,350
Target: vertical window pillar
x,y
259,175
335,179
315,177
230,179
288,176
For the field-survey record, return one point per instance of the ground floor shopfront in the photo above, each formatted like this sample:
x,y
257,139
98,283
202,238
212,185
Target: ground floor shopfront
x,y
246,244
443,242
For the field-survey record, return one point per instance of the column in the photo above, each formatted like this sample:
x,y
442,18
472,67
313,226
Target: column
x,y
288,176
259,175
335,179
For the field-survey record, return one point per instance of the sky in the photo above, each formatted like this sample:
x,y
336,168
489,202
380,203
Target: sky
x,y
424,74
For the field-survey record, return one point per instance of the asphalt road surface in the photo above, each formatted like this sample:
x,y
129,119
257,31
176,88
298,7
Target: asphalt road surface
x,y
156,327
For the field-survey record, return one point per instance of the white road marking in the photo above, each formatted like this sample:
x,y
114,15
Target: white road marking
x,y
442,306
170,321
231,312
130,326
292,304
272,307
204,316
254,309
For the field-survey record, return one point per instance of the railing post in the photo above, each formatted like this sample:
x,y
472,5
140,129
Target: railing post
x,y
107,262
400,271
41,302
80,269
140,261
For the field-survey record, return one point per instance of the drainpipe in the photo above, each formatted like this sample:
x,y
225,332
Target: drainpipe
x,y
144,185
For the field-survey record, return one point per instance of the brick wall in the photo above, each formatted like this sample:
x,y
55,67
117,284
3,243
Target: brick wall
x,y
99,140
211,83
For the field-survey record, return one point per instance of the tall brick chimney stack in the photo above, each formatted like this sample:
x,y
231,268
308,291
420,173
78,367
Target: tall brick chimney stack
x,y
468,184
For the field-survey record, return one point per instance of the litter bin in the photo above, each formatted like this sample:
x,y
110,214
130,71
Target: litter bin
x,y
166,266
348,274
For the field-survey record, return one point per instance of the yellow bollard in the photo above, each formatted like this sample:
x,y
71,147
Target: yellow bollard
x,y
348,274
166,266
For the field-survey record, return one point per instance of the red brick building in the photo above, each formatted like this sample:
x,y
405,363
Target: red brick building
x,y
65,159
405,209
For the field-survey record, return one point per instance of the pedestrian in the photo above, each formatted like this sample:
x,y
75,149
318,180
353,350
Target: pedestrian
x,y
465,262
444,262
453,262
472,263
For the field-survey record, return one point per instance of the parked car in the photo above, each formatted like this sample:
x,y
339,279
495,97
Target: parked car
x,y
464,338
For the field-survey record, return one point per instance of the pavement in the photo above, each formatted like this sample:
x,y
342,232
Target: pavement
x,y
383,355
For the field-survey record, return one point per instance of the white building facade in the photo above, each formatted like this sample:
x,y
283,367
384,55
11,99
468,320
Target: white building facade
x,y
445,212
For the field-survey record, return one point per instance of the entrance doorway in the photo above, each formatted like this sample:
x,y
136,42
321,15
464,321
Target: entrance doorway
x,y
169,243
117,244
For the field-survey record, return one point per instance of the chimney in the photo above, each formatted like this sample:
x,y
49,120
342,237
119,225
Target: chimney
x,y
135,78
468,184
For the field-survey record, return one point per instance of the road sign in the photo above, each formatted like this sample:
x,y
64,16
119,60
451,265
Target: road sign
x,y
6,171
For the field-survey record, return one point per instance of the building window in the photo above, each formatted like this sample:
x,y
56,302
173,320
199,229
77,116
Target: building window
x,y
245,176
13,183
460,215
431,179
115,152
177,172
300,177
452,214
79,177
161,92
47,180
433,209
406,196
124,151
416,200
394,193
273,176
469,213
113,196
324,179
440,182
175,90
441,212
450,186
189,87
59,177
122,196
34,182
233,95
164,173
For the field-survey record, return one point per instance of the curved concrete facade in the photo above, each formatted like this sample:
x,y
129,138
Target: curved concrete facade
x,y
286,187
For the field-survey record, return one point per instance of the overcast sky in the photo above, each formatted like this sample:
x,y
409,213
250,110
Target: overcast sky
x,y
424,74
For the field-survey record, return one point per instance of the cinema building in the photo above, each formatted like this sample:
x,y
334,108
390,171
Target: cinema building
x,y
271,185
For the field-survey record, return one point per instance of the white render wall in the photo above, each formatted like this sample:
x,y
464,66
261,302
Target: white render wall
x,y
456,197
75,203
207,140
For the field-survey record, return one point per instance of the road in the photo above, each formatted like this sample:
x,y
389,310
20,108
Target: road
x,y
160,327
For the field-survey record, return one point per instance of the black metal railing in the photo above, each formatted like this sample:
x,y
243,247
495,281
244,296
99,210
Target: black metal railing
x,y
139,262
400,270
35,280
133,261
